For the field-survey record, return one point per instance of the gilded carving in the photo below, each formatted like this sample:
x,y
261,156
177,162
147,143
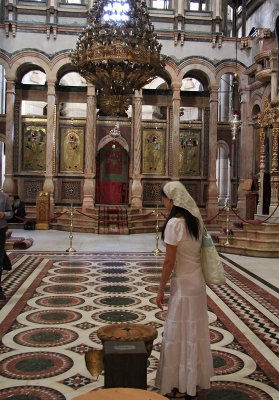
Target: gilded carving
x,y
189,152
262,150
71,149
34,148
268,116
153,151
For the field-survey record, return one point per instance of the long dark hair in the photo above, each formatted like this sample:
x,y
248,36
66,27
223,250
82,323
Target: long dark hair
x,y
192,223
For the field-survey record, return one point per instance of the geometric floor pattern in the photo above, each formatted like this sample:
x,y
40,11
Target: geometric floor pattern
x,y
56,301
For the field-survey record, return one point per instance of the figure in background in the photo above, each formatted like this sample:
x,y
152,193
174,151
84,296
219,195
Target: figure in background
x,y
18,209
6,212
185,360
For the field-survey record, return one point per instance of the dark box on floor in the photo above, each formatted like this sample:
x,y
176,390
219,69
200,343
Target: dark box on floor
x,y
125,364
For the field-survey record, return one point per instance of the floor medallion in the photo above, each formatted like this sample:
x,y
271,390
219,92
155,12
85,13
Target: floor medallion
x,y
54,316
59,301
35,365
30,393
45,337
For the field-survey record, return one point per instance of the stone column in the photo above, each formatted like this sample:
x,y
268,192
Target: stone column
x,y
90,150
136,197
274,74
8,185
51,118
212,193
223,177
175,130
224,107
224,13
246,159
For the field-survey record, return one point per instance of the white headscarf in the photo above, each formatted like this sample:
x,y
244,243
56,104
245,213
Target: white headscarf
x,y
180,196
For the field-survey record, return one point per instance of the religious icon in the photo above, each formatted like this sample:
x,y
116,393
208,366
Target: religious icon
x,y
189,153
153,157
34,148
72,151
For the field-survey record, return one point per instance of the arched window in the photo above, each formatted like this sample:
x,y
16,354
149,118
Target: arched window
x,y
72,79
197,5
161,4
72,110
33,107
225,98
190,113
150,112
74,2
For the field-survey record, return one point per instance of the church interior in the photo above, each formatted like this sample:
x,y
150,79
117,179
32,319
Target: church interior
x,y
101,103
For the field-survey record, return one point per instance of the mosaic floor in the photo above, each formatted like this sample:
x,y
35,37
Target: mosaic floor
x,y
57,301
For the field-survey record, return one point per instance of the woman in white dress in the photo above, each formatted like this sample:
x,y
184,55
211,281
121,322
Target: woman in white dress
x,y
185,360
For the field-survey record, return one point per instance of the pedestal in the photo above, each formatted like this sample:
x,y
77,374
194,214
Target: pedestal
x,y
126,332
42,210
251,205
125,364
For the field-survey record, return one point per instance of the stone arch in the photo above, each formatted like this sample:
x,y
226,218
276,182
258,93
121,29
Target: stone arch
x,y
106,139
255,109
26,61
256,101
173,71
165,74
229,67
112,171
63,66
4,61
199,69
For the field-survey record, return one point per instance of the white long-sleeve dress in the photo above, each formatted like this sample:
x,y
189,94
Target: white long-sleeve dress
x,y
185,360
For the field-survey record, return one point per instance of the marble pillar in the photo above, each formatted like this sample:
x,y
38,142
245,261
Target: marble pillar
x,y
212,193
224,97
8,185
223,177
246,158
90,150
136,192
274,74
175,130
50,142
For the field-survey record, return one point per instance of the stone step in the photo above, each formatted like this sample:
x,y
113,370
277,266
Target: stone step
x,y
247,251
252,243
261,227
257,235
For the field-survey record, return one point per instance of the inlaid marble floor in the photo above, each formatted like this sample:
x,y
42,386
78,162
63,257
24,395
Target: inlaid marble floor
x,y
58,300
51,240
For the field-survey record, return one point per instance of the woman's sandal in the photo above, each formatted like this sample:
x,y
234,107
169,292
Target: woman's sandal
x,y
175,394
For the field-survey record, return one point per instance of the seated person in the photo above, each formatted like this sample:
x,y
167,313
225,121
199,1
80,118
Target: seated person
x,y
18,209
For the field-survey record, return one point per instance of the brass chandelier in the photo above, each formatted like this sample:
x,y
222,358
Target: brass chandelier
x,y
118,52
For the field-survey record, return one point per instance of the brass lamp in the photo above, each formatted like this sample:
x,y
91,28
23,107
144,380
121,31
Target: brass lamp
x,y
118,52
235,124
